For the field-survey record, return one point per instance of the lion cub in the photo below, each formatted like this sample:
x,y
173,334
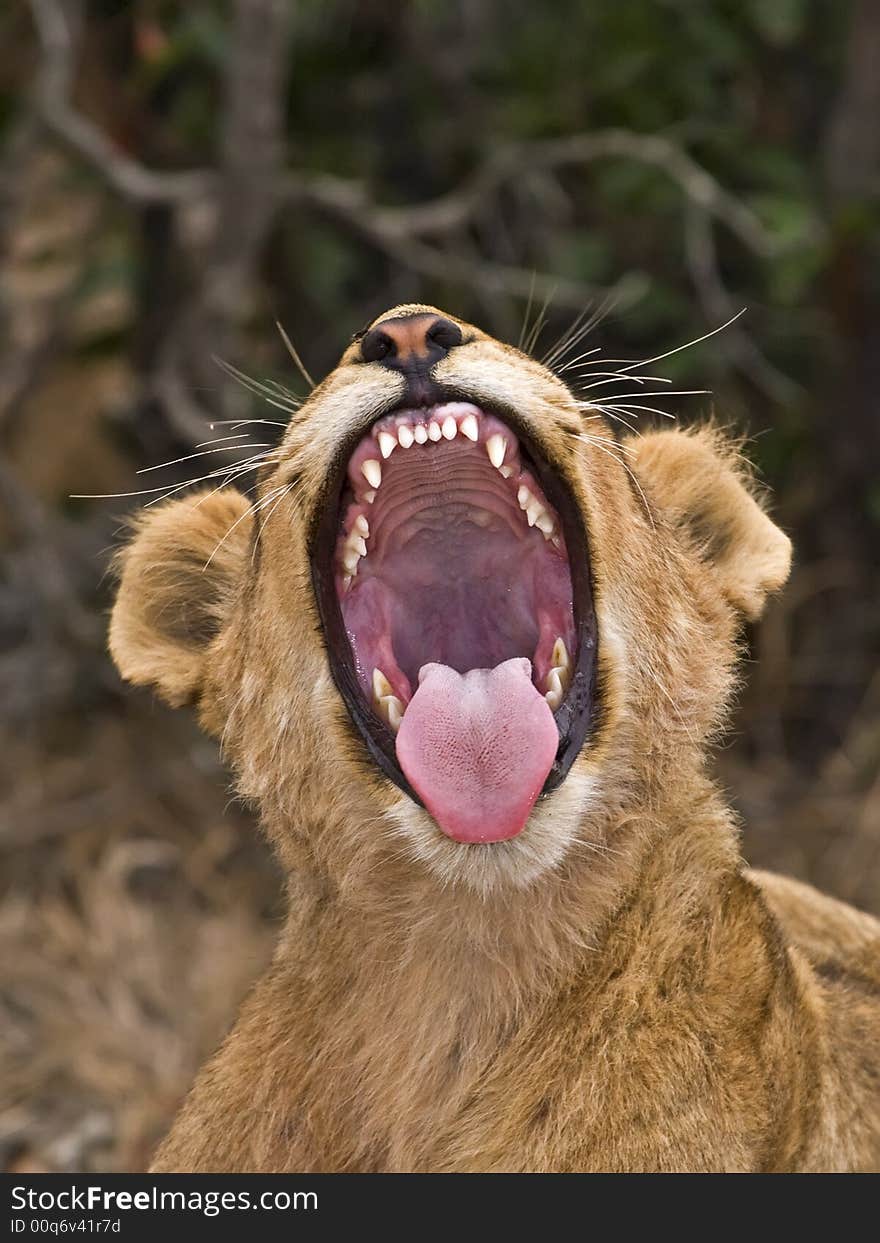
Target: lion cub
x,y
466,650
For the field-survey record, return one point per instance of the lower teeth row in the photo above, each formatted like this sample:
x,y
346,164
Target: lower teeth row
x,y
391,708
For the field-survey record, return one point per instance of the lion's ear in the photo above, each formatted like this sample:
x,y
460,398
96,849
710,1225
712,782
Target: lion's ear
x,y
701,483
178,578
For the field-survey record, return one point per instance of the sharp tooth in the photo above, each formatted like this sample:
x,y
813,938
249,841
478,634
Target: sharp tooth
x,y
506,471
405,436
554,699
495,447
372,472
370,496
387,444
434,432
559,656
554,682
545,524
469,427
534,511
450,427
392,709
523,496
362,526
421,433
381,685
357,544
350,560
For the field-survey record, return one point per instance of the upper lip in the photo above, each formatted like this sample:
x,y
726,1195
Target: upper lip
x,y
577,715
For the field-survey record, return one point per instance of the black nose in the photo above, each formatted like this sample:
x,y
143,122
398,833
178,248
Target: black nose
x,y
412,343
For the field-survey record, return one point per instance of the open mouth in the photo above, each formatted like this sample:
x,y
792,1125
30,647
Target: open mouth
x,y
453,582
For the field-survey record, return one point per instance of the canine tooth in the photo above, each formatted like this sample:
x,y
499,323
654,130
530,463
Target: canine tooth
x,y
392,710
506,471
559,655
545,523
372,472
381,685
387,444
362,526
405,436
357,544
420,433
450,427
495,447
554,699
434,432
468,427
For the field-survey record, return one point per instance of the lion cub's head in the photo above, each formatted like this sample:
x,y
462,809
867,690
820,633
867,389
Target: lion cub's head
x,y
461,626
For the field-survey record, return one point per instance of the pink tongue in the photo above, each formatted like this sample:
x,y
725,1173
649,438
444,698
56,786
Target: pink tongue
x,y
477,748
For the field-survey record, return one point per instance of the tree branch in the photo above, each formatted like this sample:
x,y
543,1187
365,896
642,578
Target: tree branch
x,y
126,176
440,216
717,303
251,186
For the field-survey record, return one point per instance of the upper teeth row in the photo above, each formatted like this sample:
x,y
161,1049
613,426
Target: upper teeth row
x,y
355,547
406,434
536,514
448,429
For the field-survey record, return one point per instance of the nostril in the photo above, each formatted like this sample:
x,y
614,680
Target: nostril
x,y
376,346
444,334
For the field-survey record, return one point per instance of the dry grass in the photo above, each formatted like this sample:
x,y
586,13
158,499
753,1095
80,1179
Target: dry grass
x,y
137,910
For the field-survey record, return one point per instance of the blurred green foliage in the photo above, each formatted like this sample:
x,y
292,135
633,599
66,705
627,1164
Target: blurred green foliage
x,y
410,98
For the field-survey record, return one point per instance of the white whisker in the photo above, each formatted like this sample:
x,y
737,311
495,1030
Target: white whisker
x,y
113,496
539,324
284,490
668,392
291,349
251,509
586,354
617,377
528,311
243,422
621,462
646,362
258,389
610,411
187,457
569,337
599,442
226,475
609,414
217,439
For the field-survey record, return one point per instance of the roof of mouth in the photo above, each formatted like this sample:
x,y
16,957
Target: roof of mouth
x,y
448,552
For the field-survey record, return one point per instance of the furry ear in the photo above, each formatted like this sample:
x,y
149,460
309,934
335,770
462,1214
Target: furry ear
x,y
178,578
700,481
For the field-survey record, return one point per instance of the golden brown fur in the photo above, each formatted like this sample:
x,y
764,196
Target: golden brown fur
x,y
608,991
